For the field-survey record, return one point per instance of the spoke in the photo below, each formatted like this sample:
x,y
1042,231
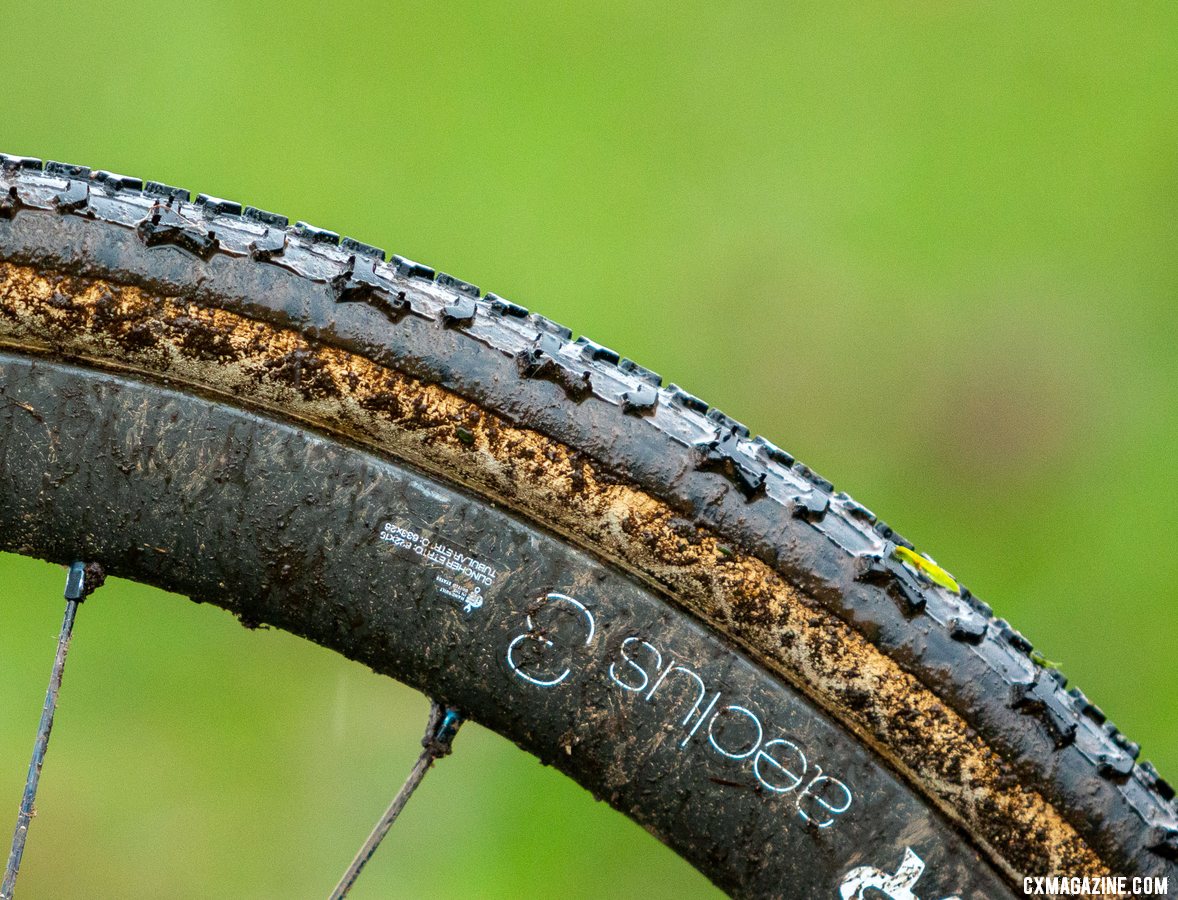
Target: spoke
x,y
81,581
439,737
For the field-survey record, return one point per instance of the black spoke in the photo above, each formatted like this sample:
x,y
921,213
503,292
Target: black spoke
x,y
437,742
80,582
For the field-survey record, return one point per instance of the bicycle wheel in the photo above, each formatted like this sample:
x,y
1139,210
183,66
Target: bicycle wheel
x,y
623,581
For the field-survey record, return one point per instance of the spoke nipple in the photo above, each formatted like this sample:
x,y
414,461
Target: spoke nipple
x,y
439,741
75,582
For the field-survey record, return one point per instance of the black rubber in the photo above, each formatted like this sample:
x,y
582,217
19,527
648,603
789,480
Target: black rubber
x,y
706,466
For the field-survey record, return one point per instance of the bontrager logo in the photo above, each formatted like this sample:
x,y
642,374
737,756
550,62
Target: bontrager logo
x,y
858,882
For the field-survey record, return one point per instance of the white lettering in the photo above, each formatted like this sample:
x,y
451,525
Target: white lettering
x,y
809,792
545,680
779,765
703,689
630,662
730,753
703,715
868,881
734,732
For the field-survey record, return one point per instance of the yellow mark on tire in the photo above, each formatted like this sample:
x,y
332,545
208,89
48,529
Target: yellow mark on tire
x,y
928,568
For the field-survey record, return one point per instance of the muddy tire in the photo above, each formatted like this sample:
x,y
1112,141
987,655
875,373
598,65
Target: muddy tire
x,y
438,483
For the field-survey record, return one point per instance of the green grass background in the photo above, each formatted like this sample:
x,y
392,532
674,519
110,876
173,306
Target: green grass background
x,y
927,247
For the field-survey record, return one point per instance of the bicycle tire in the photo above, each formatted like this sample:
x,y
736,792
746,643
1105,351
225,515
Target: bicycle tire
x,y
133,319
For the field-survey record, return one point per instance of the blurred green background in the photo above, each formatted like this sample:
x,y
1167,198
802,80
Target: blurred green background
x,y
929,248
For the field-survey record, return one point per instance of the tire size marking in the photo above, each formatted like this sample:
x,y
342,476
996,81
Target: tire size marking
x,y
544,655
464,578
